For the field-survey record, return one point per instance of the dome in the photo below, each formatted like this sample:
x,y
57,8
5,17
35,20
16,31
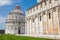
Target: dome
x,y
16,10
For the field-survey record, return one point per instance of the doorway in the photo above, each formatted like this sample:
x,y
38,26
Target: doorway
x,y
19,30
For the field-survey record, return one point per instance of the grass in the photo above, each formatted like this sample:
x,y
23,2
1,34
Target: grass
x,y
13,37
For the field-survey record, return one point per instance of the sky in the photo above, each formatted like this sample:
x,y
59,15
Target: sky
x,y
7,5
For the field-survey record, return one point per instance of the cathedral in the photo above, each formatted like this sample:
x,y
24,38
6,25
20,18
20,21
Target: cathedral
x,y
43,18
15,22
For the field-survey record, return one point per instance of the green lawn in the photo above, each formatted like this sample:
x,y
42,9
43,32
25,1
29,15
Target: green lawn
x,y
13,37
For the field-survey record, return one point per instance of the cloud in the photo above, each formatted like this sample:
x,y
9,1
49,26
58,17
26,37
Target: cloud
x,y
5,2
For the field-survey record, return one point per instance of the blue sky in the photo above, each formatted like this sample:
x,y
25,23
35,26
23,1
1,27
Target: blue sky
x,y
7,5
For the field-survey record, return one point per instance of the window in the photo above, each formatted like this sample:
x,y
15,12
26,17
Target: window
x,y
45,2
19,17
40,18
16,17
35,16
19,22
33,20
49,15
43,13
15,28
41,4
27,19
49,1
13,22
37,7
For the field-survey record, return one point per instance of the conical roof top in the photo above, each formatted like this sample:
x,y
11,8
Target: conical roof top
x,y
17,7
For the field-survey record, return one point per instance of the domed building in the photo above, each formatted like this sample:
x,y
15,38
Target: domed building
x,y
15,22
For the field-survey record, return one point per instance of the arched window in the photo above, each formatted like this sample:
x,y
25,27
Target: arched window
x,y
40,18
33,20
15,28
49,1
16,17
45,2
43,13
19,22
49,15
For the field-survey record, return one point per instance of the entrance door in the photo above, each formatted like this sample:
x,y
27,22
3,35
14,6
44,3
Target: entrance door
x,y
19,30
